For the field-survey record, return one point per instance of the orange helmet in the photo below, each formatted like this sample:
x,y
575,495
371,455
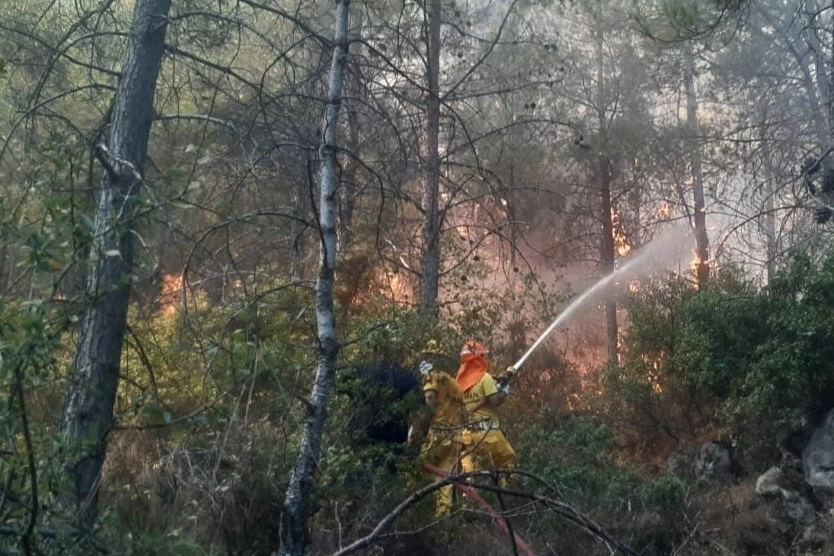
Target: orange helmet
x,y
473,347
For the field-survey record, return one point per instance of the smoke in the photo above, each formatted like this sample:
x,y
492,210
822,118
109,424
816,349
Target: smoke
x,y
670,250
666,251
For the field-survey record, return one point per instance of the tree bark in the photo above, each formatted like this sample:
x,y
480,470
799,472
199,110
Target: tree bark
x,y
830,98
608,257
430,276
818,85
88,406
604,179
699,217
299,490
768,190
347,189
512,217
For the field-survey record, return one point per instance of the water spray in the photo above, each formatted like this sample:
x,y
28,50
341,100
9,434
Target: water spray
x,y
658,246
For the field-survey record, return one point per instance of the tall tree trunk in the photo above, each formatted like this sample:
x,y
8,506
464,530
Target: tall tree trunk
x,y
604,179
636,201
347,189
609,255
768,191
511,214
830,98
88,406
299,490
430,276
699,209
817,83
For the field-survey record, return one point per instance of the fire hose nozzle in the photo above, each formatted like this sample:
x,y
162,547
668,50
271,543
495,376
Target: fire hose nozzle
x,y
506,377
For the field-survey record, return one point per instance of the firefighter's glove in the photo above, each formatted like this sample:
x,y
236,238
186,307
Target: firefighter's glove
x,y
507,376
425,367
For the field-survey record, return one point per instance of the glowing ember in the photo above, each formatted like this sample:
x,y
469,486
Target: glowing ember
x,y
621,243
169,293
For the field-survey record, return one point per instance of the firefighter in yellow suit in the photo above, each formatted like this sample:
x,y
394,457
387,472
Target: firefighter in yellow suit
x,y
485,446
443,445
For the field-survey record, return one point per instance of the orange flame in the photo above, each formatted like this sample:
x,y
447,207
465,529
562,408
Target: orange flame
x,y
169,293
621,243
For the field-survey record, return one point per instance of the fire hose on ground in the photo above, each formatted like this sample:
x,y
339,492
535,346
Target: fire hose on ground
x,y
470,493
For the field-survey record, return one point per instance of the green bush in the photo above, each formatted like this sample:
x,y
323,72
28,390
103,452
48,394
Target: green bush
x,y
662,391
168,544
665,494
572,454
755,363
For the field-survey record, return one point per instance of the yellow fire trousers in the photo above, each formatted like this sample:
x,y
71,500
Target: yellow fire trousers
x,y
443,451
486,450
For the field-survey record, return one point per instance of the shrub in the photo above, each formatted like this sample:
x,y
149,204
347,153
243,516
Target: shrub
x,y
573,454
756,363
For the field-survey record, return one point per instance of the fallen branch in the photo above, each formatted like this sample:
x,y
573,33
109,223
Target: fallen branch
x,y
459,482
369,539
565,510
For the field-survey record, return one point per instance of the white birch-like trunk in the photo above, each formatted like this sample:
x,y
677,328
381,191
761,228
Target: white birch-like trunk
x,y
302,481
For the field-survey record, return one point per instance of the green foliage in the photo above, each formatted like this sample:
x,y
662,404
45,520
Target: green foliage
x,y
678,20
42,236
665,494
361,481
43,231
645,390
169,543
179,360
30,348
682,350
757,363
218,384
393,335
788,381
717,338
502,315
573,453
